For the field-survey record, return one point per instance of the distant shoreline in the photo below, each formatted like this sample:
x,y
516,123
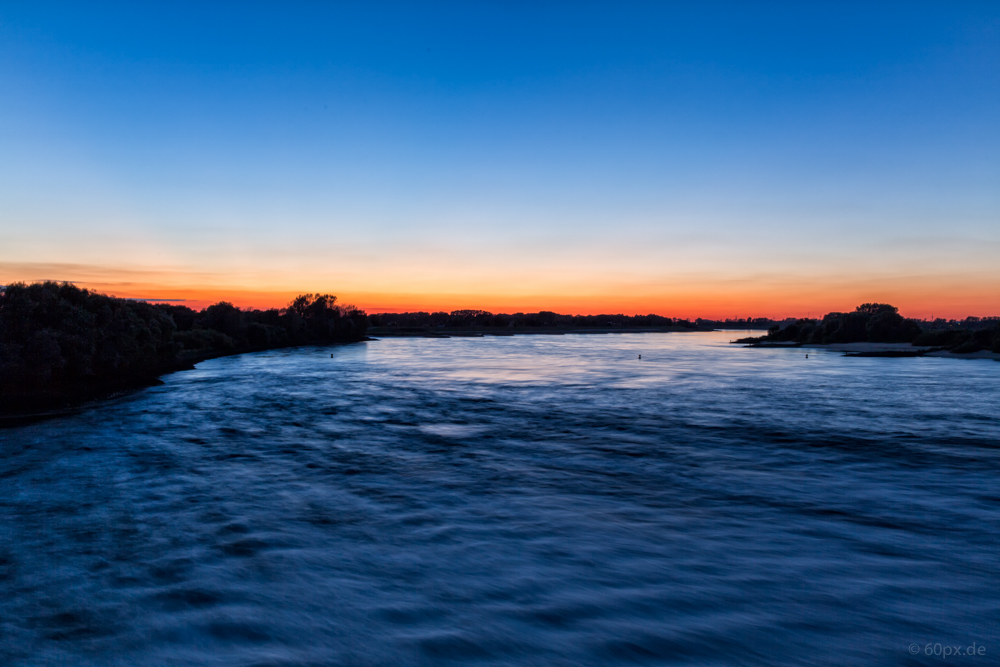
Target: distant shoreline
x,y
878,330
534,331
889,350
62,346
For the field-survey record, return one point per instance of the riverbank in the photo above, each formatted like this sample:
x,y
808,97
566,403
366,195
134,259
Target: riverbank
x,y
15,410
881,350
900,350
878,330
62,346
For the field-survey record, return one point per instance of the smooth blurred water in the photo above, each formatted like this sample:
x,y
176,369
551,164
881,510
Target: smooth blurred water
x,y
537,500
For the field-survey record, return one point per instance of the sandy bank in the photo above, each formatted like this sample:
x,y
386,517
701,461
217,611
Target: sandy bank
x,y
982,354
855,348
867,347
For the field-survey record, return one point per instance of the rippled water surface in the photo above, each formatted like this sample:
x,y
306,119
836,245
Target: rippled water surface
x,y
537,500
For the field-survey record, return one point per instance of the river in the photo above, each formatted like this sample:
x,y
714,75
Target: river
x,y
528,500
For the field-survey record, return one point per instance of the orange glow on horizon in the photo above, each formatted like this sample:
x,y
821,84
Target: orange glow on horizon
x,y
709,297
690,305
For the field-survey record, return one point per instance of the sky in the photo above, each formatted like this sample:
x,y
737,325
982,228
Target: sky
x,y
686,159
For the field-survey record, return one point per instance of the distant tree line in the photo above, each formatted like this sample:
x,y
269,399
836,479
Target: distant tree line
x,y
309,318
742,323
60,343
962,336
472,320
882,323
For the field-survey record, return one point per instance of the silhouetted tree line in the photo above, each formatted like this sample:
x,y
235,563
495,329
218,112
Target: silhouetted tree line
x,y
742,323
882,323
962,336
310,318
61,343
471,320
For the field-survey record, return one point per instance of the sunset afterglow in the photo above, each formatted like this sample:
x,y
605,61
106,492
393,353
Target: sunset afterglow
x,y
777,161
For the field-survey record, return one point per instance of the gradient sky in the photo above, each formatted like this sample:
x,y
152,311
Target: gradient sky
x,y
694,159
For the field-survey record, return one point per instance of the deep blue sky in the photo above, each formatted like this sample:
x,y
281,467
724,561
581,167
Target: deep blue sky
x,y
507,152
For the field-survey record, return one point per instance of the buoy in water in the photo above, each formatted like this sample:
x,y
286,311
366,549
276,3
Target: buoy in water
x,y
640,356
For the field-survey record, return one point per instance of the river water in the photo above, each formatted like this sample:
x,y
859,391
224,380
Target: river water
x,y
530,500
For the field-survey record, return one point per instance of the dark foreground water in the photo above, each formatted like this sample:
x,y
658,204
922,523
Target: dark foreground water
x,y
532,500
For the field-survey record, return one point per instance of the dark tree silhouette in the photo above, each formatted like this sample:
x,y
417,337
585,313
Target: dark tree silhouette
x,y
882,323
872,309
60,341
888,326
60,344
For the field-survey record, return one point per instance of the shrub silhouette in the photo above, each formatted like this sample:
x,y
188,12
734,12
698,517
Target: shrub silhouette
x,y
57,339
888,326
60,343
870,322
882,323
226,318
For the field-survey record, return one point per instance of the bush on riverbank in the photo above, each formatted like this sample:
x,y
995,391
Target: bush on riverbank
x,y
870,322
60,343
57,340
308,319
882,323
